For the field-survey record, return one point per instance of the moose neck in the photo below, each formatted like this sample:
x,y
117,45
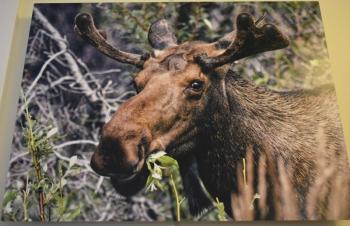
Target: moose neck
x,y
238,115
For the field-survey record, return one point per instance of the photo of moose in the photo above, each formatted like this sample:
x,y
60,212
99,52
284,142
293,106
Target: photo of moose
x,y
177,112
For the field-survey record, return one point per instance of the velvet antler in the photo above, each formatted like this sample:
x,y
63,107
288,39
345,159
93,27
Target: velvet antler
x,y
85,27
249,40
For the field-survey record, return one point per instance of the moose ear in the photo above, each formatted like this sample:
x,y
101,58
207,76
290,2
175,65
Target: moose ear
x,y
160,36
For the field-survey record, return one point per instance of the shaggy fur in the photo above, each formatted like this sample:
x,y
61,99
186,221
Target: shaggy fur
x,y
285,124
208,118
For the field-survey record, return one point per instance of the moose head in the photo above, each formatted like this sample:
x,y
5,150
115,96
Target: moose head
x,y
172,86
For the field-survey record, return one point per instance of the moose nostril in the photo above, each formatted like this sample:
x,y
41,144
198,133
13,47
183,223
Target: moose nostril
x,y
132,166
142,147
125,151
99,165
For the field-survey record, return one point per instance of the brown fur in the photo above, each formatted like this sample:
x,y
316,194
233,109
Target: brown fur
x,y
216,125
286,124
198,110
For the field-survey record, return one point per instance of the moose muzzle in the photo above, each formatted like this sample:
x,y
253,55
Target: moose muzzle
x,y
121,151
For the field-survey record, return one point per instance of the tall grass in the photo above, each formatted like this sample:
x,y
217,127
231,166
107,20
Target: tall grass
x,y
328,196
263,186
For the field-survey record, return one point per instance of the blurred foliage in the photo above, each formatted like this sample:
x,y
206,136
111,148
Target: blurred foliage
x,y
304,64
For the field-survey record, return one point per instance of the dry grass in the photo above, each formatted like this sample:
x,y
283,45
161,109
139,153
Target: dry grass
x,y
328,196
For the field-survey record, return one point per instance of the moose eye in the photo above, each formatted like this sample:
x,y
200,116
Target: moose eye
x,y
197,85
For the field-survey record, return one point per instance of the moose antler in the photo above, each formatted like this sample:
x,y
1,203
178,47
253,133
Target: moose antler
x,y
249,40
85,27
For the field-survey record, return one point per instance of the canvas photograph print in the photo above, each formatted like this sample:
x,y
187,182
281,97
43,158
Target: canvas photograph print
x,y
169,111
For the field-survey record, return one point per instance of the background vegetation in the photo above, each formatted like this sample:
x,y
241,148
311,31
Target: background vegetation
x,y
71,90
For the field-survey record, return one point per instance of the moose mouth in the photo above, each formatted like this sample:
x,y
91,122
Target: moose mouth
x,y
112,172
122,177
105,163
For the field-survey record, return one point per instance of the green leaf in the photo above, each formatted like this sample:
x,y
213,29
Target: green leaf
x,y
156,155
75,171
72,215
159,185
63,182
40,185
9,197
51,132
208,23
149,181
167,161
72,161
45,167
221,209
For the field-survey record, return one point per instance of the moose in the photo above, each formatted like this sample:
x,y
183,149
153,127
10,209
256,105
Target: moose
x,y
192,104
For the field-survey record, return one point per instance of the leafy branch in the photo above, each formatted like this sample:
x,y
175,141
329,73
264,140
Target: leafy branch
x,y
46,190
38,146
159,165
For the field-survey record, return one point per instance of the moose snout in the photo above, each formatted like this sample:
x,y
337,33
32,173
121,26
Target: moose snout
x,y
120,154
